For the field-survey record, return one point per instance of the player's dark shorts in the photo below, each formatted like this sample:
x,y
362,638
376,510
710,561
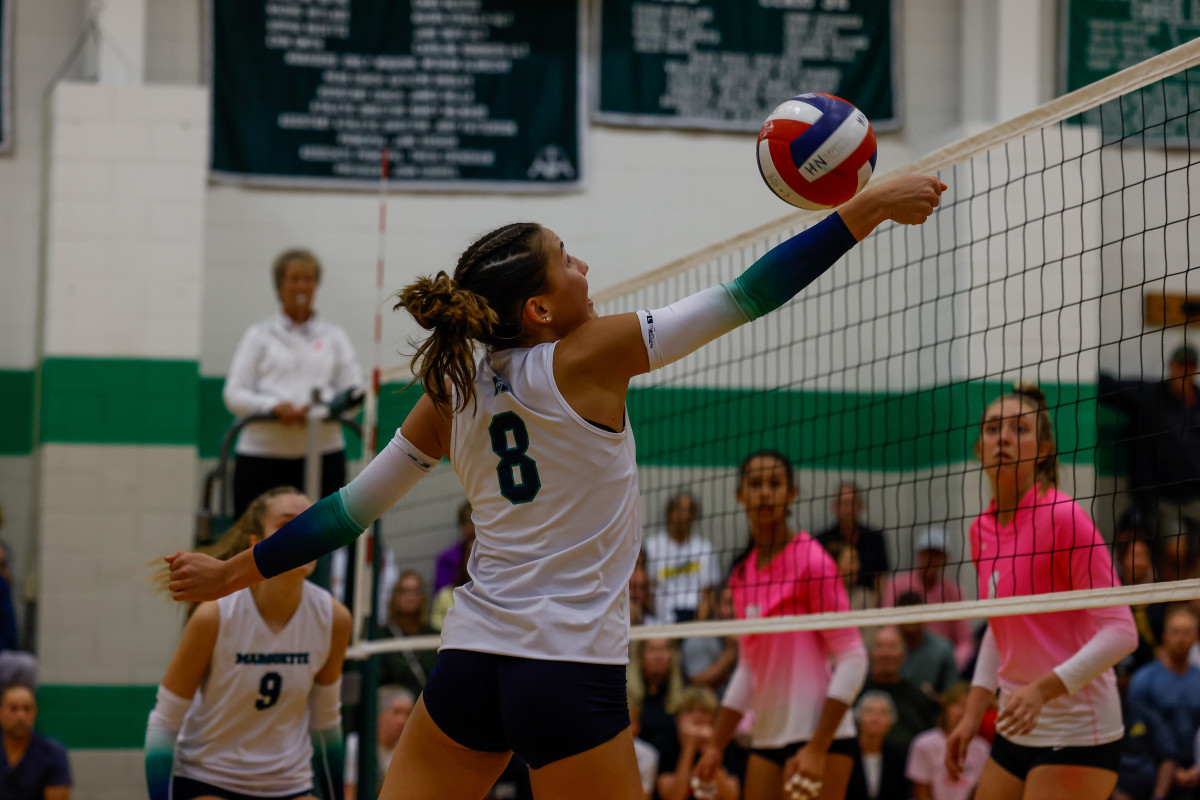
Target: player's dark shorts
x,y
1018,759
543,711
780,755
188,789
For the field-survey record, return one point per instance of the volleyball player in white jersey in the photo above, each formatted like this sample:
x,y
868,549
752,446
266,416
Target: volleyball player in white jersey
x,y
533,650
253,689
1059,730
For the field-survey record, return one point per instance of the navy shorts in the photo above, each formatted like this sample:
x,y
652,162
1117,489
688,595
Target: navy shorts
x,y
780,755
1018,759
543,711
188,789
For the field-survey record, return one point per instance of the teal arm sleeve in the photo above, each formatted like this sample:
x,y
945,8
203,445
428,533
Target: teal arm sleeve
x,y
780,275
321,529
329,762
160,762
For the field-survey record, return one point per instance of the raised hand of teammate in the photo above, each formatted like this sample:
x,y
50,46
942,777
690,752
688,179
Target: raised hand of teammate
x,y
908,200
196,577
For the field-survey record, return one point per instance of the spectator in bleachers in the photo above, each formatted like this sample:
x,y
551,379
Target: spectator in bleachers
x,y
16,666
33,766
1166,694
878,763
647,756
868,541
393,708
641,596
709,660
681,562
409,617
929,658
927,756
656,683
275,368
1137,770
848,565
915,711
928,581
1180,555
443,598
452,562
1164,431
694,721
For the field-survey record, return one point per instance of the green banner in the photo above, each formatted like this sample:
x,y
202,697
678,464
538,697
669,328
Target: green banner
x,y
1106,36
724,64
6,89
462,94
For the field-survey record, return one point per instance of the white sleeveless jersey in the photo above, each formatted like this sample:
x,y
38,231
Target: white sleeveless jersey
x,y
247,728
558,520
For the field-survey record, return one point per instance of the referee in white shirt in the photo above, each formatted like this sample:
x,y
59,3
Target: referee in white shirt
x,y
278,363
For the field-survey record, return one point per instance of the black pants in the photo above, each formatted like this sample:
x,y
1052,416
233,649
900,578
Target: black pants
x,y
253,475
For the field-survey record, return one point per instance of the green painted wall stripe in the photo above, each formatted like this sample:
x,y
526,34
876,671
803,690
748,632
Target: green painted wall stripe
x,y
95,717
16,412
143,402
119,401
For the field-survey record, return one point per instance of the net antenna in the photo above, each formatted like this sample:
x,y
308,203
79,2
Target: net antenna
x,y
1056,224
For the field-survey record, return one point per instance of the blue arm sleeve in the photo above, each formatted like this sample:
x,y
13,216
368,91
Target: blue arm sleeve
x,y
779,275
321,529
329,762
160,762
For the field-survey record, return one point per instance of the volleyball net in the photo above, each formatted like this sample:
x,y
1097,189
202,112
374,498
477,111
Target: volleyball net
x,y
1065,253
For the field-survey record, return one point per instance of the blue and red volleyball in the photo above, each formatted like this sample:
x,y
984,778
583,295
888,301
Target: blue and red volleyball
x,y
816,151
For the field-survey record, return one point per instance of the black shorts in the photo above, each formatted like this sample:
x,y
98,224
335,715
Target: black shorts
x,y
780,755
1018,759
543,711
188,789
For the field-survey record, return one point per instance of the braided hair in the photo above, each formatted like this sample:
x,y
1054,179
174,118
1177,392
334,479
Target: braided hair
x,y
482,302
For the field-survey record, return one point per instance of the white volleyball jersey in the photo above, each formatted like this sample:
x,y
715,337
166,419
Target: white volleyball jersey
x,y
247,728
558,520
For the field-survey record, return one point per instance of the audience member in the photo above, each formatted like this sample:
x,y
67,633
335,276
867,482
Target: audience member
x,y
872,551
277,365
929,659
848,565
915,711
927,580
1137,769
451,564
878,763
656,684
1166,693
927,756
709,660
1135,561
1164,432
394,705
409,617
694,721
16,666
681,562
35,767
647,756
1179,558
641,596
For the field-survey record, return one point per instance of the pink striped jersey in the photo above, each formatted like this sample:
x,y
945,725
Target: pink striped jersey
x,y
1051,545
784,677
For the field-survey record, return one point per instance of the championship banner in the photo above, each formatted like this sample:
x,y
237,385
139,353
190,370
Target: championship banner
x,y
1106,36
724,64
471,95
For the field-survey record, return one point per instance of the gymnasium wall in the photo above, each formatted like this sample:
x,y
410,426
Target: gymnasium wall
x,y
134,424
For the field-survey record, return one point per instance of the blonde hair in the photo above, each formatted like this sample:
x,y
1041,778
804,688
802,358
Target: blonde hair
x,y
698,698
1046,467
635,683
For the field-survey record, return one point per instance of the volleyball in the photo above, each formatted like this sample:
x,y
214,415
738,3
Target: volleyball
x,y
816,151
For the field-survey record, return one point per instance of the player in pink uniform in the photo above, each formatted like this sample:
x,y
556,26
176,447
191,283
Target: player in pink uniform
x,y
800,724
1059,728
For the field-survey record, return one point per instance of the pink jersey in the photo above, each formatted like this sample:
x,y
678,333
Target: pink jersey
x,y
788,673
1050,545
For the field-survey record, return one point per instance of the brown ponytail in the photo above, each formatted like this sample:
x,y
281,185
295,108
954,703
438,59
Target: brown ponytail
x,y
481,303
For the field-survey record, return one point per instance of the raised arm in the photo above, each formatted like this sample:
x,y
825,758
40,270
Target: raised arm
x,y
328,524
